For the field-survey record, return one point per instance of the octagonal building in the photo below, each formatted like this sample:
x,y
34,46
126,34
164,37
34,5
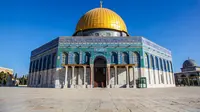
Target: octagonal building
x,y
101,53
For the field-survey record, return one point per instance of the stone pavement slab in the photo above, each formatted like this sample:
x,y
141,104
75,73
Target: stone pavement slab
x,y
177,99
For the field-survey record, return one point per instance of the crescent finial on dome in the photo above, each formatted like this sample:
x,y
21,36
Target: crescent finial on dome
x,y
101,3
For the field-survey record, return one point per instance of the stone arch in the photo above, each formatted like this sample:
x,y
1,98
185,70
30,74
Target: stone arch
x,y
97,55
100,71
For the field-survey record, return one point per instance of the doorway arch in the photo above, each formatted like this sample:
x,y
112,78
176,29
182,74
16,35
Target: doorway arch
x,y
100,71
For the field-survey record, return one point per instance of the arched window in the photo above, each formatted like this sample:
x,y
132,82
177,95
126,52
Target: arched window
x,y
64,58
37,65
165,68
114,58
152,62
171,66
30,67
87,58
49,62
76,58
161,64
157,64
125,58
40,65
44,63
39,78
168,67
146,59
33,68
53,65
136,59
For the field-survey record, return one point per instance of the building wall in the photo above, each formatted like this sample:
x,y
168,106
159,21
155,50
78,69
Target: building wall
x,y
6,70
142,53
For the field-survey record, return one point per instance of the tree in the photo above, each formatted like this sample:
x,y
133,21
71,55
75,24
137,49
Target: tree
x,y
3,78
23,80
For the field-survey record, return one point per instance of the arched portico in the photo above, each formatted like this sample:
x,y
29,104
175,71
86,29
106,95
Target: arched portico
x,y
100,65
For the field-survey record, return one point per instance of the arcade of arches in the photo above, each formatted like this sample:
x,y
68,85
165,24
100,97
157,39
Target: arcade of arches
x,y
99,74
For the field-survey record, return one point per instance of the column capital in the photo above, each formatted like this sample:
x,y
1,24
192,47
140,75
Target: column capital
x,y
108,65
66,66
73,66
91,65
84,66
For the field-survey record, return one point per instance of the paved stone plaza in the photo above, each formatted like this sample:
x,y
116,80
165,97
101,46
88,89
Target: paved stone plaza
x,y
100,100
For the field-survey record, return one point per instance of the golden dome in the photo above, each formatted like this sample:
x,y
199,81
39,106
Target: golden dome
x,y
101,18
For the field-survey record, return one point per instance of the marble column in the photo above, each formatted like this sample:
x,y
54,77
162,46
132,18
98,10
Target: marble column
x,y
29,80
84,77
116,76
47,78
134,78
44,79
188,79
173,78
91,76
198,80
108,80
66,74
34,79
127,77
41,81
73,80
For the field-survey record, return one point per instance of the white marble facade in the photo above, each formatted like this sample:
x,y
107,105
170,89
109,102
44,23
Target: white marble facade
x,y
58,78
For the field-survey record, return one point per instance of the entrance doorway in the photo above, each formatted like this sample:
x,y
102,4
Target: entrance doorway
x,y
100,72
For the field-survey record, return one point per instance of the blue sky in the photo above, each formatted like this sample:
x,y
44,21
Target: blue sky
x,y
28,24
